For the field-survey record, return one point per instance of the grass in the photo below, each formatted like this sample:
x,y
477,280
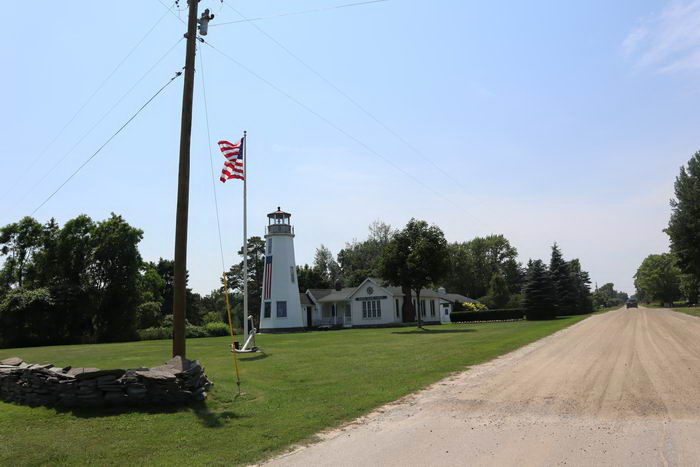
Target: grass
x,y
691,310
304,383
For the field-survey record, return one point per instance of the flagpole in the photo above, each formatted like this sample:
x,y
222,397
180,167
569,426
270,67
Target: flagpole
x,y
245,238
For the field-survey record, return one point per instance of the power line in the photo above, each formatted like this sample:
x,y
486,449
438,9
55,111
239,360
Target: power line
x,y
329,122
97,123
348,97
294,13
106,142
85,104
211,160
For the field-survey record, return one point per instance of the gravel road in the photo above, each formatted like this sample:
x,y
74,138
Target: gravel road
x,y
621,388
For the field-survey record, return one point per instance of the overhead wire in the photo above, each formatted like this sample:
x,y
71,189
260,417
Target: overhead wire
x,y
75,172
211,158
328,122
218,224
60,160
85,104
344,94
294,13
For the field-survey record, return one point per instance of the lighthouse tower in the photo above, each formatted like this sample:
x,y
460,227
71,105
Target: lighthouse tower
x,y
280,308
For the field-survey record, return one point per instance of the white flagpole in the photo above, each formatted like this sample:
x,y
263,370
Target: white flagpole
x,y
245,238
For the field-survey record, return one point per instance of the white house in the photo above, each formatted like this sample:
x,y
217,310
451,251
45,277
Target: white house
x,y
369,304
374,304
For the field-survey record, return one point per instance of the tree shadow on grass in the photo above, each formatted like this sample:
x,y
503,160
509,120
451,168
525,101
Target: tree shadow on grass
x,y
213,419
260,356
434,331
114,411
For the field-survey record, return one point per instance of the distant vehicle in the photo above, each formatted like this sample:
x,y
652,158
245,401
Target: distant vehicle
x,y
631,304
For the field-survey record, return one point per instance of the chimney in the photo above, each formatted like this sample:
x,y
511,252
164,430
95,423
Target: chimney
x,y
338,285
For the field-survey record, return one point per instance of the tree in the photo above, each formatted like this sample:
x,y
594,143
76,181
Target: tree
x,y
415,258
498,294
311,278
539,294
684,225
326,264
563,280
18,243
658,278
114,273
474,263
582,286
360,259
256,266
690,287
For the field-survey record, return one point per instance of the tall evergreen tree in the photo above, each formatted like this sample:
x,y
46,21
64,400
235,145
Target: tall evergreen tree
x,y
539,293
563,281
582,282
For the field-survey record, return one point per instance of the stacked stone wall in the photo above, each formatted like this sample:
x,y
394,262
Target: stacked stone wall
x,y
178,382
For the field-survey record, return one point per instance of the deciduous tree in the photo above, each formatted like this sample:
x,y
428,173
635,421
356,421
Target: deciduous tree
x,y
415,258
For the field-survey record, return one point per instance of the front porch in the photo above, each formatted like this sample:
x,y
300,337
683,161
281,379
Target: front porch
x,y
334,315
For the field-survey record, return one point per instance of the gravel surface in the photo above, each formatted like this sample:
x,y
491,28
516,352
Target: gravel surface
x,y
621,388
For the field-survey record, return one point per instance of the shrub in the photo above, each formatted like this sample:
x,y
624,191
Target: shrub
x,y
217,329
158,333
472,307
487,315
211,317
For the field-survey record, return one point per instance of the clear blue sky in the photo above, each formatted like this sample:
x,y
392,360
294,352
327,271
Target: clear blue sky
x,y
560,121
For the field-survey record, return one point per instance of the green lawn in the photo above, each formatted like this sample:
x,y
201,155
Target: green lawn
x,y
304,383
693,310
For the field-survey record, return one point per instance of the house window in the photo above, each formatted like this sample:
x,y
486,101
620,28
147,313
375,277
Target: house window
x,y
422,307
371,309
398,310
268,309
269,246
291,273
432,307
281,309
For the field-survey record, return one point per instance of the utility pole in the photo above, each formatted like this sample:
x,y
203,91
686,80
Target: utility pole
x,y
183,181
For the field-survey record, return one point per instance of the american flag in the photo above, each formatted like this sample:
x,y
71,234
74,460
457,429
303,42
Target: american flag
x,y
267,278
233,167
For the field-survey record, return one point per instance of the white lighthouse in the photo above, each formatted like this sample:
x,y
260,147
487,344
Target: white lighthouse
x,y
280,308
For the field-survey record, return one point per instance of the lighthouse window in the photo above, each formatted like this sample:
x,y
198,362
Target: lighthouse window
x,y
281,309
269,246
268,309
291,273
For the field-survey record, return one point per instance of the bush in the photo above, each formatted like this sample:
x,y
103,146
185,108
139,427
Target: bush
x,y
488,315
211,317
472,307
191,332
217,329
158,333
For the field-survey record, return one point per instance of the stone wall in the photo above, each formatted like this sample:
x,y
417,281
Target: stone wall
x,y
179,381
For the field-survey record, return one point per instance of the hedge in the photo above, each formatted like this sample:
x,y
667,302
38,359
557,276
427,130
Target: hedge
x,y
166,332
489,315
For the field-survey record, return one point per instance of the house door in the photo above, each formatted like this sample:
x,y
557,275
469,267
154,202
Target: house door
x,y
309,316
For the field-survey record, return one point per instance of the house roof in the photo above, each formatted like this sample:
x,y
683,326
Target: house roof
x,y
320,293
305,300
455,297
338,295
332,295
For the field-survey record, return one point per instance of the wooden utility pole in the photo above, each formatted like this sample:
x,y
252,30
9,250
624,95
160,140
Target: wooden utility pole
x,y
183,188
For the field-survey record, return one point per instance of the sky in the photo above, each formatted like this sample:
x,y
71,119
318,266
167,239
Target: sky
x,y
543,121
